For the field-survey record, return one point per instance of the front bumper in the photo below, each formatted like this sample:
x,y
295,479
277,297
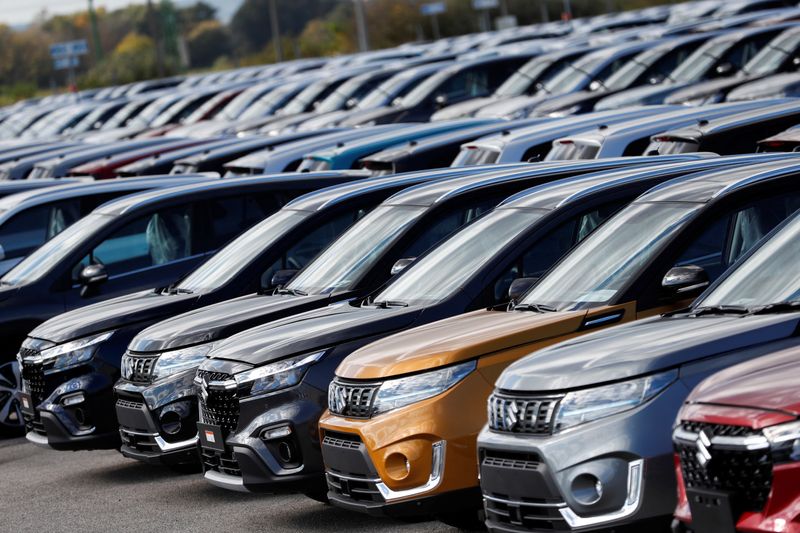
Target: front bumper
x,y
544,483
157,421
419,459
75,415
291,463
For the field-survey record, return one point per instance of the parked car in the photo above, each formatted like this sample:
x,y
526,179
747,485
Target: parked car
x,y
135,243
745,415
399,381
603,403
720,57
785,141
354,266
737,133
633,137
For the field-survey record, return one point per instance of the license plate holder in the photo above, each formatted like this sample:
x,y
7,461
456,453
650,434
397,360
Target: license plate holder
x,y
211,437
26,404
712,511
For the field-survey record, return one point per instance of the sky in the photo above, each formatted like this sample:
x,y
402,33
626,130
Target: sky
x,y
17,13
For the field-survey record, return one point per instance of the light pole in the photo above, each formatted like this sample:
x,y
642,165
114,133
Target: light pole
x,y
98,50
276,31
361,26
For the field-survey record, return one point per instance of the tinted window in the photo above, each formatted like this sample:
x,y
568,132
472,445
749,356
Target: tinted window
x,y
228,217
28,230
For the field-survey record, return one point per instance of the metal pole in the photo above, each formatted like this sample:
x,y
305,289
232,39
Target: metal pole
x,y
543,9
98,49
361,26
503,8
435,27
568,9
276,31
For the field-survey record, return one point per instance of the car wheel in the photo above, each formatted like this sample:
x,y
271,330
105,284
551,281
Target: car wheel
x,y
11,422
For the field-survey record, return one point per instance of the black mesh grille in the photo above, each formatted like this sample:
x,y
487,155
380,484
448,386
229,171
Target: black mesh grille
x,y
219,407
224,463
353,487
512,460
33,378
522,516
745,473
137,368
352,400
129,404
512,414
341,440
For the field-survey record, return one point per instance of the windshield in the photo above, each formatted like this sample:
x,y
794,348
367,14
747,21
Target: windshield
x,y
770,58
55,250
267,104
697,65
240,102
354,253
307,96
574,76
441,272
150,112
237,255
426,88
601,266
387,91
123,115
520,82
770,275
630,71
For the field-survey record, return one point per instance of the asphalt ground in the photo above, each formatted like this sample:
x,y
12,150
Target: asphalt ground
x,y
45,491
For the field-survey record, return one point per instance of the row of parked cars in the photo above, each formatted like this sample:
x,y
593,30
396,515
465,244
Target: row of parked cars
x,y
475,279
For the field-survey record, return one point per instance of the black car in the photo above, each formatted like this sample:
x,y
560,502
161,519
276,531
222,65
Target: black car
x,y
738,133
139,242
262,391
462,81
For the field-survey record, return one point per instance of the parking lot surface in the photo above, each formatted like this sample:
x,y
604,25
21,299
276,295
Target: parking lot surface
x,y
46,490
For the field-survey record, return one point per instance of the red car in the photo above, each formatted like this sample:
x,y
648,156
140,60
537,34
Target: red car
x,y
737,443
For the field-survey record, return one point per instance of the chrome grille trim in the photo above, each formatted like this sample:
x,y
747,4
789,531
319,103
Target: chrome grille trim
x,y
352,400
138,368
518,414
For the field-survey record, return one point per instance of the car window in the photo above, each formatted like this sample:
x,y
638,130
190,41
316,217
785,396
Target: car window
x,y
543,254
28,230
155,239
229,217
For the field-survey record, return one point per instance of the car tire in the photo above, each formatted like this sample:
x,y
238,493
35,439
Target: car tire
x,y
12,424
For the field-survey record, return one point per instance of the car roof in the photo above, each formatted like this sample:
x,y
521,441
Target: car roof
x,y
275,181
561,193
337,194
432,193
712,186
76,189
736,120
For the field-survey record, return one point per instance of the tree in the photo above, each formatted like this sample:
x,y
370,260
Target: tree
x,y
250,25
208,41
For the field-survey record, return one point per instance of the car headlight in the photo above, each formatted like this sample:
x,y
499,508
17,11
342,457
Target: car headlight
x,y
784,440
71,353
175,361
396,393
588,405
278,375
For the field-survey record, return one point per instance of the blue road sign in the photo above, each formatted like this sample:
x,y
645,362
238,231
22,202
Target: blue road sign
x,y
434,8
69,48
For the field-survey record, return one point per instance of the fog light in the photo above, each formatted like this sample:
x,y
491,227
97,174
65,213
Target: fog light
x,y
80,417
397,466
276,433
587,489
286,452
72,399
170,422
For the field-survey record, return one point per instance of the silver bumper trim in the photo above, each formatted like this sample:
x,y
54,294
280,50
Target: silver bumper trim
x,y
225,481
38,440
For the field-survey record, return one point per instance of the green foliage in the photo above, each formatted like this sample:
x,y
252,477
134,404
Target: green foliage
x,y
208,41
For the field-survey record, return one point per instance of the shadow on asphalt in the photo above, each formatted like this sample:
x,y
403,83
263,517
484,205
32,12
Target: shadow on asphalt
x,y
130,474
337,519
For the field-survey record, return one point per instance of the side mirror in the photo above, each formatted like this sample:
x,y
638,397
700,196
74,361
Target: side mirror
x,y
351,103
91,276
282,277
683,280
401,265
723,69
397,101
441,100
655,79
2,253
519,287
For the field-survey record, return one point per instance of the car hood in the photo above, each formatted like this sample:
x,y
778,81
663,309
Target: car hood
x,y
771,86
362,118
463,109
112,314
706,89
455,339
312,331
507,106
638,348
647,95
768,383
221,320
7,292
563,102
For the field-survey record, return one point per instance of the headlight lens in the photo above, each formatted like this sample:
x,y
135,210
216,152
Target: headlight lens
x,y
785,441
587,405
278,375
396,393
175,361
72,353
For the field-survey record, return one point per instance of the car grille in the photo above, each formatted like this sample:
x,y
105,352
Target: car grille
x,y
138,368
746,473
512,414
218,407
224,463
355,401
523,516
513,461
130,404
138,441
33,379
341,440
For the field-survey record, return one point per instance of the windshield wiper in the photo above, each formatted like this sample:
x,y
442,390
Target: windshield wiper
x,y
721,310
291,292
386,304
539,308
174,289
777,307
